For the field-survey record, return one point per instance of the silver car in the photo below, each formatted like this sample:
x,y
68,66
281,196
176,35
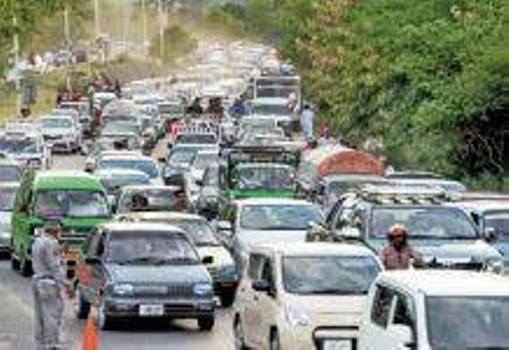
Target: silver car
x,y
7,194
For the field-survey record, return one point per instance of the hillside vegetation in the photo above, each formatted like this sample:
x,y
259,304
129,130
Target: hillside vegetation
x,y
428,79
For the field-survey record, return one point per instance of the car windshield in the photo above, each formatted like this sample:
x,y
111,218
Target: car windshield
x,y
197,138
18,145
145,165
499,221
182,156
198,230
278,217
50,123
157,199
120,128
115,182
71,203
424,222
271,109
7,195
203,160
329,274
479,322
150,248
10,173
265,177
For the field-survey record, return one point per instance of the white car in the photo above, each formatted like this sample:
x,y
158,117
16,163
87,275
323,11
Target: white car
x,y
261,220
303,296
428,309
134,162
61,132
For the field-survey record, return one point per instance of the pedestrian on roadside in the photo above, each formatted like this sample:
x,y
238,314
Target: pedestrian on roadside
x,y
49,285
307,121
399,255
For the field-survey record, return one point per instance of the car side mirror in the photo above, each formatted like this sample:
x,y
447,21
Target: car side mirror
x,y
224,226
92,260
490,234
402,334
350,232
199,183
261,286
207,260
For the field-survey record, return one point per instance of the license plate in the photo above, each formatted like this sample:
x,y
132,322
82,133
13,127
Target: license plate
x,y
151,310
337,345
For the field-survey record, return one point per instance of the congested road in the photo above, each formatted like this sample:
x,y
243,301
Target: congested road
x,y
17,312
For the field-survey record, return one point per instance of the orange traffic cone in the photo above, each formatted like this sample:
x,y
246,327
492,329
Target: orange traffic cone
x,y
90,338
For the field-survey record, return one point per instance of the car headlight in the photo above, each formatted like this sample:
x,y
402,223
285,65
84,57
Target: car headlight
x,y
203,289
229,272
123,289
296,316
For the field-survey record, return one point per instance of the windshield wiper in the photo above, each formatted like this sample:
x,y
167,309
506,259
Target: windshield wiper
x,y
339,291
144,259
182,261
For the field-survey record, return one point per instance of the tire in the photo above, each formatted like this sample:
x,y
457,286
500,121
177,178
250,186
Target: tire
x,y
206,323
104,321
274,343
238,331
82,307
26,267
227,298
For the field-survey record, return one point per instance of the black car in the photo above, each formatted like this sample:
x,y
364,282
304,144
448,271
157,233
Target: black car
x,y
144,270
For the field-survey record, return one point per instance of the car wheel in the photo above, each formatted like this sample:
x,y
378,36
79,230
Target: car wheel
x,y
227,298
274,341
103,320
26,267
238,331
206,323
82,306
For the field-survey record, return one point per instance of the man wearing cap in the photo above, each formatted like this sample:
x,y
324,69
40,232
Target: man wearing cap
x,y
50,284
399,255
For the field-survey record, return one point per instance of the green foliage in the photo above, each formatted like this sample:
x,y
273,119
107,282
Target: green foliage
x,y
425,76
29,14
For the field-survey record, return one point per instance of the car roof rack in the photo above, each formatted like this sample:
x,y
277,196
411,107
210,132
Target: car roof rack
x,y
403,194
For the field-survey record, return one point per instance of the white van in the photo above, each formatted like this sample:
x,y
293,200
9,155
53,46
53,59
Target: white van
x,y
426,310
303,296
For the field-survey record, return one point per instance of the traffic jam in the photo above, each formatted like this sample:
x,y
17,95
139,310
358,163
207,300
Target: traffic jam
x,y
209,190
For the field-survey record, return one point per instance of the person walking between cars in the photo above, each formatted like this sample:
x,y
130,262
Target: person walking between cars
x,y
49,284
307,120
399,255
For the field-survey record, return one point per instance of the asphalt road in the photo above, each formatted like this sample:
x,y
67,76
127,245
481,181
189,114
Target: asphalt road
x,y
16,316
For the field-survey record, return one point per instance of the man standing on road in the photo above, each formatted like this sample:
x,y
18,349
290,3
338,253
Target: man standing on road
x,y
399,255
49,284
308,117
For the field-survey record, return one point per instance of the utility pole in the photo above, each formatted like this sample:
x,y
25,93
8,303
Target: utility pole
x,y
97,18
67,34
15,42
161,29
145,29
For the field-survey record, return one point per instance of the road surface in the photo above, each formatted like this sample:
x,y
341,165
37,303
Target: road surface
x,y
16,316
